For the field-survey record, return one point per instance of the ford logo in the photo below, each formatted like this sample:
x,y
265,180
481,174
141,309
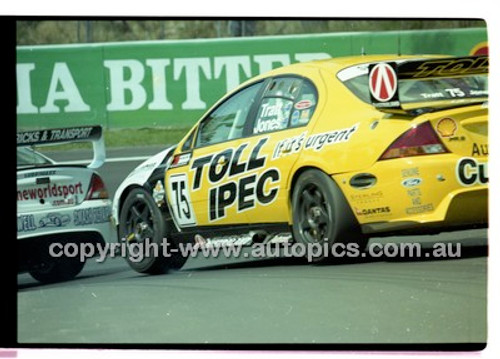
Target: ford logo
x,y
411,182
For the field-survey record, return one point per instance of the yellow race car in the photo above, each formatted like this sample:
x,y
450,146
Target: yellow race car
x,y
329,151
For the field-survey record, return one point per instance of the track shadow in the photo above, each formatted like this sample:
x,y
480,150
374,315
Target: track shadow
x,y
89,274
470,247
429,250
265,262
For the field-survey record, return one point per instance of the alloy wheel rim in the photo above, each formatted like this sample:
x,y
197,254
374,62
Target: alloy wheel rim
x,y
139,223
314,214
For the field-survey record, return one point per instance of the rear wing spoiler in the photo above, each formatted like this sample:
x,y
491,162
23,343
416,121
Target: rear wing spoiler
x,y
385,79
67,135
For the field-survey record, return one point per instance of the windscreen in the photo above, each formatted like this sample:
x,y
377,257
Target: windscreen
x,y
28,157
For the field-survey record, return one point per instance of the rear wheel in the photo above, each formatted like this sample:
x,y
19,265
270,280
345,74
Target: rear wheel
x,y
57,269
142,223
322,217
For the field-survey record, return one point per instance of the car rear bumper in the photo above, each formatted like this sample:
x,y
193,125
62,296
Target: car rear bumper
x,y
93,217
419,193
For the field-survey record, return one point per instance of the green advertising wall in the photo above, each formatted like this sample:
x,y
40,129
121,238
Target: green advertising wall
x,y
172,83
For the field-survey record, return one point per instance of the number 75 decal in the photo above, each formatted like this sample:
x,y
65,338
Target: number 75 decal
x,y
180,200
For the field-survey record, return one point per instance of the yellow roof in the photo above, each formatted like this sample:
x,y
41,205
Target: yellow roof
x,y
338,63
335,64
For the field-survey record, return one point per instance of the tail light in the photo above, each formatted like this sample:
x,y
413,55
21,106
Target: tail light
x,y
97,189
418,141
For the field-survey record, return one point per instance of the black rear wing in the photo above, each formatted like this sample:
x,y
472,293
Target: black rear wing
x,y
66,135
385,80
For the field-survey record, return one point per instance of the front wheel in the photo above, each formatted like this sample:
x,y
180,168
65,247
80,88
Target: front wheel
x,y
142,226
322,217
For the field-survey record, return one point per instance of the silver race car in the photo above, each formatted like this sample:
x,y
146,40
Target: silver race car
x,y
59,206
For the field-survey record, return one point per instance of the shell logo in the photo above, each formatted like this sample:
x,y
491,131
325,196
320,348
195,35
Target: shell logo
x,y
446,127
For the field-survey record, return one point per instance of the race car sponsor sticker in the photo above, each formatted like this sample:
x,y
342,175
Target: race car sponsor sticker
x,y
245,193
470,172
456,139
58,135
54,220
450,67
303,104
273,115
415,196
180,160
410,172
249,189
227,240
180,200
383,82
411,182
318,141
479,149
228,163
49,191
26,223
446,127
68,201
367,197
29,223
376,211
304,117
93,215
35,174
269,125
289,146
159,193
429,207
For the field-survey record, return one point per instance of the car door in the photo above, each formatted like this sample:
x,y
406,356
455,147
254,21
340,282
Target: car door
x,y
202,180
280,126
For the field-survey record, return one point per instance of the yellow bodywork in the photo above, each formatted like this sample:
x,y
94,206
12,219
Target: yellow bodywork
x,y
409,192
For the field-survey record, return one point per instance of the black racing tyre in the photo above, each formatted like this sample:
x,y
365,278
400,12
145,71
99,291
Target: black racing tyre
x,y
141,222
322,217
57,270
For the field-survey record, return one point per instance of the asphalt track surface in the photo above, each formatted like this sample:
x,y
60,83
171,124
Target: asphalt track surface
x,y
366,300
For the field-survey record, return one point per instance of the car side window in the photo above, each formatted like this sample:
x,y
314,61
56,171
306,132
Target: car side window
x,y
186,146
304,106
287,102
227,121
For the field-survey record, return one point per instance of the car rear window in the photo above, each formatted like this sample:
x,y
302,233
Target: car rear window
x,y
29,157
422,90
